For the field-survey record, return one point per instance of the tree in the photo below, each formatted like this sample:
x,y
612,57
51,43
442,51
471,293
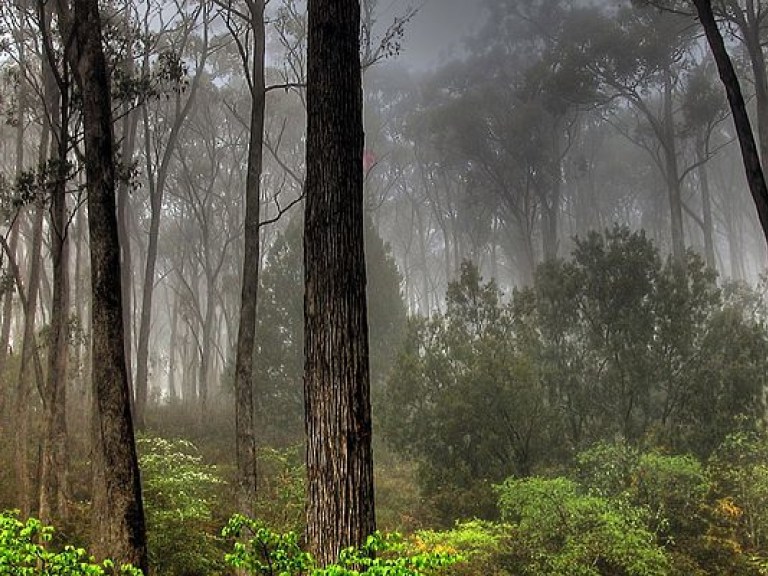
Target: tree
x,y
278,360
749,151
340,510
252,55
118,515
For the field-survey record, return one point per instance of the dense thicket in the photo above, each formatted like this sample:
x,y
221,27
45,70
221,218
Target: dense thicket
x,y
609,343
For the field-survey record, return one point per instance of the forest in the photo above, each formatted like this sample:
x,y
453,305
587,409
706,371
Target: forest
x,y
345,287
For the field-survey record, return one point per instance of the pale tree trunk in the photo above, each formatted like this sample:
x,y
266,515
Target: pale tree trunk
x,y
117,511
340,508
130,122
551,201
21,104
706,204
128,133
173,394
669,146
749,153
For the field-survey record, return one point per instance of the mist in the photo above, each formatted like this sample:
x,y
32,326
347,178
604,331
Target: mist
x,y
558,333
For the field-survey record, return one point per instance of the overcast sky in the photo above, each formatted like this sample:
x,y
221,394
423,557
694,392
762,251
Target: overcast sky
x,y
436,30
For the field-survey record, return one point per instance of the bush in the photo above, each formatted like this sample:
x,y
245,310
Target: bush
x,y
180,494
268,553
24,552
560,530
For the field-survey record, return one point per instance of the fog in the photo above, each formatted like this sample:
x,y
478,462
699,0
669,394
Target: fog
x,y
566,276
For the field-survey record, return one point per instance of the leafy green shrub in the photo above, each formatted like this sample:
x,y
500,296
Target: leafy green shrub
x,y
560,530
483,547
281,495
180,495
24,552
268,553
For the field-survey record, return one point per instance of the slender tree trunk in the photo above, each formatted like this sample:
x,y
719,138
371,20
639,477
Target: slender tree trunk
x,y
749,154
29,352
551,205
173,394
706,205
753,41
671,174
53,489
340,510
130,122
21,104
117,511
24,382
245,401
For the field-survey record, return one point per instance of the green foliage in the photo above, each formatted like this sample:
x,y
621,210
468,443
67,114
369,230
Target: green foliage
x,y
180,496
267,553
560,529
464,399
482,546
24,551
280,501
609,344
740,471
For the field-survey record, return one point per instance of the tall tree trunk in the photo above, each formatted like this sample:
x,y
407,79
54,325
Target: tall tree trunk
x,y
130,122
29,352
24,382
53,489
752,30
706,204
21,105
669,146
551,204
340,510
117,511
245,401
749,154
173,395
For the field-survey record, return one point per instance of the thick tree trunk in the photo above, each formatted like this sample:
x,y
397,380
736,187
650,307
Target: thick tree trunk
x,y
245,401
117,511
340,510
749,153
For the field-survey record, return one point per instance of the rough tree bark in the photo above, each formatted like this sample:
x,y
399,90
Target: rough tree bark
x,y
749,152
340,509
117,511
